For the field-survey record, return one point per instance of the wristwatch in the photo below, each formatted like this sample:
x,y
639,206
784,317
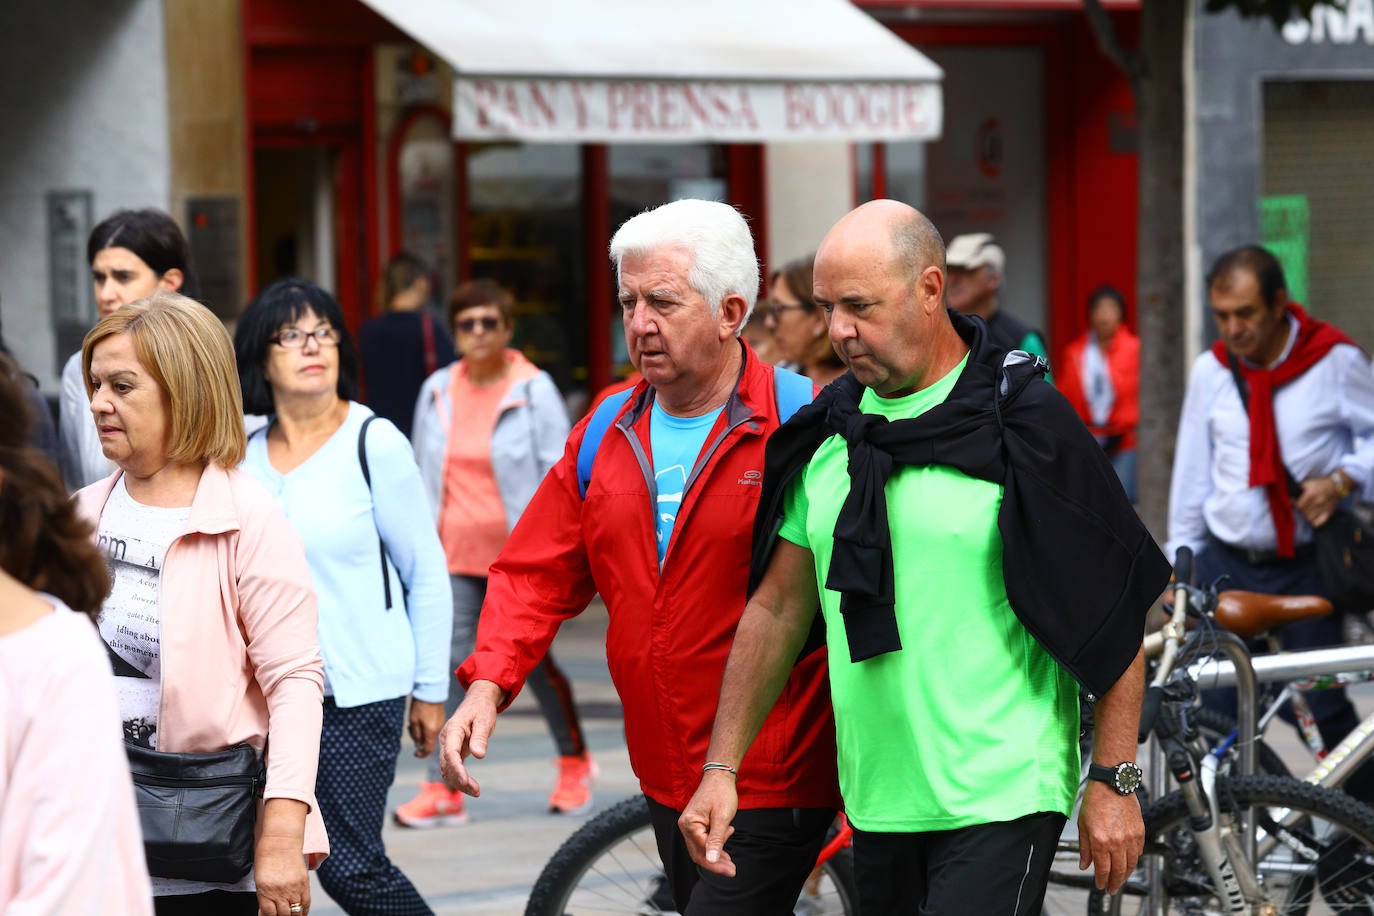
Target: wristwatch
x,y
1124,778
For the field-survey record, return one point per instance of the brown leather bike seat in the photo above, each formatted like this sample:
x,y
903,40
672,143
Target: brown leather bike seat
x,y
1253,613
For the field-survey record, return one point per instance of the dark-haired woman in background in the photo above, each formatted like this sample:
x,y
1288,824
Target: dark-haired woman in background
x,y
1100,375
66,802
132,253
800,332
385,608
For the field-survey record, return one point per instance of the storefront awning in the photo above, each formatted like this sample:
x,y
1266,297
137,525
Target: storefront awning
x,y
646,71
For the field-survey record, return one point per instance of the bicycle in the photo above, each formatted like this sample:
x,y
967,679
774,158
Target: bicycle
x,y
611,865
1234,842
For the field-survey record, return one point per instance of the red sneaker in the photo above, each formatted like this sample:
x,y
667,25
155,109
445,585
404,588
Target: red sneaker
x,y
435,806
573,792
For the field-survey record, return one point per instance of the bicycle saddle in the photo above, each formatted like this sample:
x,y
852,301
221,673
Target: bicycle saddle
x,y
1253,613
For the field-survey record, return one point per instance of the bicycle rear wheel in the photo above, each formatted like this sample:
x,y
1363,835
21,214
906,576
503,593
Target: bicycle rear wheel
x,y
611,865
1322,863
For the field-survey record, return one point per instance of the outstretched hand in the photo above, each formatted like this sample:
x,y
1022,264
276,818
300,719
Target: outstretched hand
x,y
466,733
705,822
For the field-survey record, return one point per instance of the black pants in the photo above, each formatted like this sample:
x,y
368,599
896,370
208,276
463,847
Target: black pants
x,y
774,850
210,903
1001,868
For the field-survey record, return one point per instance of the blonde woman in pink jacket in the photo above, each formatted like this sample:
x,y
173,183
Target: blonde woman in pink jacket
x,y
210,624
69,838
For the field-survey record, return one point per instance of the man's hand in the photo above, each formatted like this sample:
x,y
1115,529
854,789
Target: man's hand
x,y
425,721
705,822
1318,500
1111,835
467,733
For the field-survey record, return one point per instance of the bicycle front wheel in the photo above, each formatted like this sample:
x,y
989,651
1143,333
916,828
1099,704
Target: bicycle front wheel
x,y
611,865
1321,862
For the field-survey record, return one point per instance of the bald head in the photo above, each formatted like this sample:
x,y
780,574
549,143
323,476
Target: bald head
x,y
880,279
890,233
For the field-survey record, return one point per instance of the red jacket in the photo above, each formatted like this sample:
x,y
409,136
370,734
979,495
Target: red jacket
x,y
1122,355
670,631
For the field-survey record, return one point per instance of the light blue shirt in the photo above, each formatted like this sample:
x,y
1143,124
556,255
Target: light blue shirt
x,y
676,442
371,653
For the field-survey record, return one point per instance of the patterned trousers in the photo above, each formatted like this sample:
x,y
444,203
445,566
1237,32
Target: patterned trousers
x,y
358,749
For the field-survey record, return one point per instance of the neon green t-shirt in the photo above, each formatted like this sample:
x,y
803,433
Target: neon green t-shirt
x,y
971,722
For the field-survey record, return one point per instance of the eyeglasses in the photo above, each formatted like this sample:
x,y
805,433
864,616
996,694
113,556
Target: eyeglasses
x,y
776,308
294,338
469,325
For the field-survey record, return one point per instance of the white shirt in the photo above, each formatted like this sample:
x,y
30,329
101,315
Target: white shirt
x,y
1321,416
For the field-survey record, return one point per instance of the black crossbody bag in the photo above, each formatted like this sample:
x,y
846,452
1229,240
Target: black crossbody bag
x,y
1344,546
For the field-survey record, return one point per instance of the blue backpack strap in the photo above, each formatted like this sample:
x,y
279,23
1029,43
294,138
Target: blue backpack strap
x,y
601,420
792,390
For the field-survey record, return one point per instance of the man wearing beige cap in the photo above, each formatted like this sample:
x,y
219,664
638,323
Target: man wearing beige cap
x,y
975,263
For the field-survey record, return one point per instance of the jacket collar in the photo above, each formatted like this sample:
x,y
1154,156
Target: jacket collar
x,y
212,508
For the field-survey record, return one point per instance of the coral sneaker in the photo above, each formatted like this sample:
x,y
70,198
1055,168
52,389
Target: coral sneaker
x,y
435,806
573,792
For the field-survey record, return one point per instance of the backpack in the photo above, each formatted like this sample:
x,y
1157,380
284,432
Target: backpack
x,y
791,391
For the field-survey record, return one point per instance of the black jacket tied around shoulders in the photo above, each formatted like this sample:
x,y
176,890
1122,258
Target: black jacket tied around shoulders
x,y
1081,570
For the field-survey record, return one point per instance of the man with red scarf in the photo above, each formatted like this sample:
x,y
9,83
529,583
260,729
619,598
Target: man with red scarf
x,y
1308,404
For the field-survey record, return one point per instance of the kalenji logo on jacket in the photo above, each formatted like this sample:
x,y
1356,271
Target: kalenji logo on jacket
x,y
751,479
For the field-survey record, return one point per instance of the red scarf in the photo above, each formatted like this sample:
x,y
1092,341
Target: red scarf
x,y
1315,340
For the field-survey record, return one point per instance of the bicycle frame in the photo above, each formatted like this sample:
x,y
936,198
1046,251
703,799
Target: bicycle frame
x,y
1358,746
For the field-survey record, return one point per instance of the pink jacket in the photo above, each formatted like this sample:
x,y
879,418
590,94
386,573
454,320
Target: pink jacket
x,y
240,659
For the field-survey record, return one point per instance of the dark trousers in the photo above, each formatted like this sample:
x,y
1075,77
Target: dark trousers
x,y
774,850
1000,868
1331,708
358,749
210,903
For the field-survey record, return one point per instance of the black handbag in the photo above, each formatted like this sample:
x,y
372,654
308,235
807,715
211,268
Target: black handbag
x,y
198,811
1344,546
1345,556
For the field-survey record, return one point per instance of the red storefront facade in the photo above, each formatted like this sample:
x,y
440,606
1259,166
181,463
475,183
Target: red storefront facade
x,y
341,105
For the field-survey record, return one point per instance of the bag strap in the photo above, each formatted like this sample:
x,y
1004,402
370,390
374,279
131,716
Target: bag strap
x,y
1294,489
362,460
427,328
601,420
791,391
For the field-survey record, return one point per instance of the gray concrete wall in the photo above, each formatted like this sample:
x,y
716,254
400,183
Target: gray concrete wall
x,y
83,91
1234,57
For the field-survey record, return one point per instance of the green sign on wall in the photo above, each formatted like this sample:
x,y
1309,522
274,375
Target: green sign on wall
x,y
1285,224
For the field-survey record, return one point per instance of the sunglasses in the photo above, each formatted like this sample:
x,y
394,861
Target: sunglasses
x,y
469,325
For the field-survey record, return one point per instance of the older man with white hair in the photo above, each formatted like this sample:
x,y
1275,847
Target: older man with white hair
x,y
652,506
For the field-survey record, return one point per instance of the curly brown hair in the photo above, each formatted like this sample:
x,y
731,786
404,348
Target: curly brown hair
x,y
43,543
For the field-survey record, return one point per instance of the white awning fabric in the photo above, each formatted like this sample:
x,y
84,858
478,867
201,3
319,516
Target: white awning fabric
x,y
637,71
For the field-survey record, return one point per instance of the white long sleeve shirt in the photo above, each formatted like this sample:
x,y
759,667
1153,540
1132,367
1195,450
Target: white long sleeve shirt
x,y
1325,421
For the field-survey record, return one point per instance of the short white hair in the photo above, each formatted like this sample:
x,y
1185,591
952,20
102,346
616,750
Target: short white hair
x,y
713,233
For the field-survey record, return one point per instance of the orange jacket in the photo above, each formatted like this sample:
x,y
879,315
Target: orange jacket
x,y
1122,354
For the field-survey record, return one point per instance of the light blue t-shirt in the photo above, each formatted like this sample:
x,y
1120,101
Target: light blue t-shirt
x,y
676,442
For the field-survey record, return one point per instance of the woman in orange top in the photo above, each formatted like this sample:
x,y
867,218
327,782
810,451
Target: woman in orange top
x,y
487,428
1100,375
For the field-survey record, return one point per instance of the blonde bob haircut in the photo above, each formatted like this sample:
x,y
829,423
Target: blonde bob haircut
x,y
188,353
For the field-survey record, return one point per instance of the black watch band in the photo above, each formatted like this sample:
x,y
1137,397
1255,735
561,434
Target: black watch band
x,y
1124,778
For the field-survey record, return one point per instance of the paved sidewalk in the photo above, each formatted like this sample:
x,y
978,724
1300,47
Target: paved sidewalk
x,y
486,866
